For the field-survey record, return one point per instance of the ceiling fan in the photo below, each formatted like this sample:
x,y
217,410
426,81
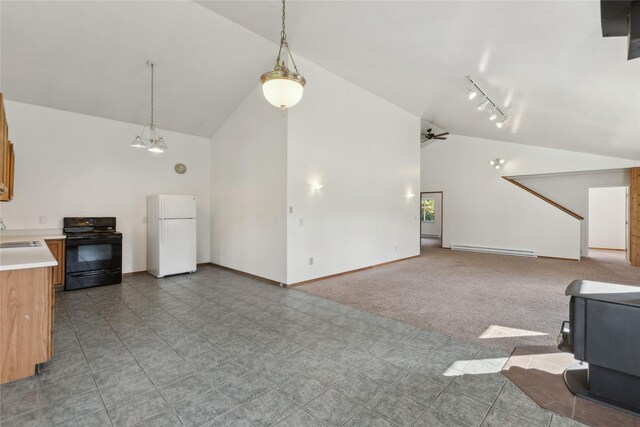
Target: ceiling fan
x,y
429,136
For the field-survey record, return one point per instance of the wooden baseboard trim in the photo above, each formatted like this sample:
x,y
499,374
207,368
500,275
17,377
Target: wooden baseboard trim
x,y
608,249
244,273
134,273
560,258
349,272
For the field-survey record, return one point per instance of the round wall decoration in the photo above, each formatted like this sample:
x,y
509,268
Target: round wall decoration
x,y
180,168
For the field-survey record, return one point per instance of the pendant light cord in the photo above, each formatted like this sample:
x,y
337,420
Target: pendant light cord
x,y
151,63
283,42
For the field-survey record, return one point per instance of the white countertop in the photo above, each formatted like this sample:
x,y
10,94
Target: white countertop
x,y
43,233
30,257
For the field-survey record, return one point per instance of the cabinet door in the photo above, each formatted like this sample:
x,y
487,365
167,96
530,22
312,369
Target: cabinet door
x,y
4,154
57,250
11,166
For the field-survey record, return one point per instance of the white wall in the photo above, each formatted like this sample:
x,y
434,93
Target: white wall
x,y
366,153
571,191
433,228
70,164
480,208
607,218
248,190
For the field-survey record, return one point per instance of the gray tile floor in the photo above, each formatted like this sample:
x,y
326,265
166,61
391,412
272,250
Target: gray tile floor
x,y
216,348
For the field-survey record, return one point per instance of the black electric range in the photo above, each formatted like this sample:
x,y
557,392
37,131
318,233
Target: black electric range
x,y
94,252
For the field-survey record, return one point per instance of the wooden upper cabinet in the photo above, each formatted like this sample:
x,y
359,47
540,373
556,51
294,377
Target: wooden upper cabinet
x,y
7,157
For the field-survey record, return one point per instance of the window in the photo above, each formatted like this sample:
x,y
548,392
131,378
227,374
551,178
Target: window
x,y
428,210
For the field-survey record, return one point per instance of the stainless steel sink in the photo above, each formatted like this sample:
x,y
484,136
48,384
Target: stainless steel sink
x,y
29,244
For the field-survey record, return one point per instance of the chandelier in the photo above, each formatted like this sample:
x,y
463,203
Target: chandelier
x,y
281,87
150,139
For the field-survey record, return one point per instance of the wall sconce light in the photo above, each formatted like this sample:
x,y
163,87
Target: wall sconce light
x,y
316,187
497,163
410,195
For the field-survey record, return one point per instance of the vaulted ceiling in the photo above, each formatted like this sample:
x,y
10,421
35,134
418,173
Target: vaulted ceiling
x,y
546,63
90,57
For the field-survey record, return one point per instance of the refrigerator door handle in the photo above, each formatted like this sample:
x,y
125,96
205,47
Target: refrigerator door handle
x,y
162,209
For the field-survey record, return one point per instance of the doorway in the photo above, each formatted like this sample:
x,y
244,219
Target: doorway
x,y
431,219
608,226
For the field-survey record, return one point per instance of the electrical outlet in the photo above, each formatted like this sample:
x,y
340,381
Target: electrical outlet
x,y
301,222
310,260
396,248
144,219
43,219
276,220
290,209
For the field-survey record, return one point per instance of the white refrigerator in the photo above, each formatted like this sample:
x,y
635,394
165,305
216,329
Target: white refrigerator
x,y
171,234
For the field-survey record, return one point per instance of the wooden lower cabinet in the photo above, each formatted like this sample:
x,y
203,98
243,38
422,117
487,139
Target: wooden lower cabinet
x,y
57,248
26,321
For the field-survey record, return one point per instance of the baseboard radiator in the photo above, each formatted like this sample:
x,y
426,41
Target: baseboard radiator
x,y
499,251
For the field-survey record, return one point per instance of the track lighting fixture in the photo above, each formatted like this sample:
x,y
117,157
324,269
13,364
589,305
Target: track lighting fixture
x,y
496,112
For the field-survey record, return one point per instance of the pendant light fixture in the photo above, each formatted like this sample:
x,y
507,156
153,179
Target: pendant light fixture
x,y
150,140
282,87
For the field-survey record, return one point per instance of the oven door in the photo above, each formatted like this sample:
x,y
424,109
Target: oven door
x,y
93,253
93,261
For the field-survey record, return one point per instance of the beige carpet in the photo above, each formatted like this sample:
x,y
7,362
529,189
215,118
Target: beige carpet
x,y
494,300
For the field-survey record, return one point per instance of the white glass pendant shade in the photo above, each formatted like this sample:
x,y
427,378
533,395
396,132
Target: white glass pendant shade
x,y
138,143
158,146
282,89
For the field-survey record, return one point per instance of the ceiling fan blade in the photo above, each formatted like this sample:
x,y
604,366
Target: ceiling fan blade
x,y
442,134
440,138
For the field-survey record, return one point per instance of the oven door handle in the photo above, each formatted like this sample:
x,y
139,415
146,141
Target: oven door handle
x,y
93,273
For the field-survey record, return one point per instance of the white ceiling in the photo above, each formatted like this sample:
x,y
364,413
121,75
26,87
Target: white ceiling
x,y
546,62
90,57
562,84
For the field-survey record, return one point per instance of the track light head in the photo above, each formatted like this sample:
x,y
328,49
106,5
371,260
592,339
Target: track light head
x,y
501,123
483,105
472,93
